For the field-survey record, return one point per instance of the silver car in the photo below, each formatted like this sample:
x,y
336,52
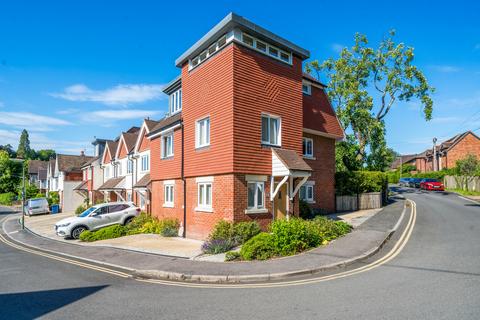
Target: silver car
x,y
96,217
36,206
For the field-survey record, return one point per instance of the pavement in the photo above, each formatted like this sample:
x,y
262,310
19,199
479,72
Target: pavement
x,y
435,276
361,243
43,225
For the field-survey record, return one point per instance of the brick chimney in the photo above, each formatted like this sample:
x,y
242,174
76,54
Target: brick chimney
x,y
82,153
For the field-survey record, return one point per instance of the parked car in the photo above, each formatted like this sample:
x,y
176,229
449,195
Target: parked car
x,y
414,182
36,206
97,217
403,182
432,184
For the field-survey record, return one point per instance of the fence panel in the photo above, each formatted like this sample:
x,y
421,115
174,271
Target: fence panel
x,y
372,200
346,203
456,182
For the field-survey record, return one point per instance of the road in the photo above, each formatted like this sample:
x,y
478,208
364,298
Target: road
x,y
436,276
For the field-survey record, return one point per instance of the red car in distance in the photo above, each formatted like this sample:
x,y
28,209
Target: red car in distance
x,y
432,184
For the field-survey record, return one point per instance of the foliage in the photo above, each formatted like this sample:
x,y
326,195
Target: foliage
x,y
44,154
10,173
215,246
346,155
235,234
31,191
363,85
53,198
259,247
408,168
7,199
292,236
232,255
145,223
9,149
464,192
110,232
306,211
24,151
467,168
356,182
169,227
330,229
81,208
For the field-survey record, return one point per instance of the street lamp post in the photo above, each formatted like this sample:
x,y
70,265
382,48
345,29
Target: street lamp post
x,y
23,195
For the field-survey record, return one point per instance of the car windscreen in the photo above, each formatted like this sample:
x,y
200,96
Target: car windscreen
x,y
87,212
431,180
37,202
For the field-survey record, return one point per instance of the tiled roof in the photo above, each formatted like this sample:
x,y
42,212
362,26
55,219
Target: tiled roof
x,y
130,140
405,158
292,160
313,79
318,114
68,163
150,124
42,174
112,146
113,183
89,162
35,165
144,182
166,122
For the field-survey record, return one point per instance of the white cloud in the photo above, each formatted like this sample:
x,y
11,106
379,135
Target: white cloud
x,y
68,111
445,120
122,94
337,47
114,115
468,102
31,121
445,68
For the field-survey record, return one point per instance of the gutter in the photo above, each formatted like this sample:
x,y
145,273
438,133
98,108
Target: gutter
x,y
184,235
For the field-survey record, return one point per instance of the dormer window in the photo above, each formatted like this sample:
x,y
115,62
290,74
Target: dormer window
x,y
175,101
307,88
266,48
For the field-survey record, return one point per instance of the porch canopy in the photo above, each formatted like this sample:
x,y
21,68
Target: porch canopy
x,y
82,189
141,187
289,166
116,185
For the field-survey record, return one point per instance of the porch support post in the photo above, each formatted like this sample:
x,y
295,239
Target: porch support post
x,y
272,196
302,182
119,194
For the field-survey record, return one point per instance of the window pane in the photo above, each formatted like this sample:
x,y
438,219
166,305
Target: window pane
x,y
203,55
251,194
260,195
273,51
208,195
212,49
310,192
273,131
200,194
285,57
247,40
265,136
310,147
302,192
222,41
207,131
304,146
261,46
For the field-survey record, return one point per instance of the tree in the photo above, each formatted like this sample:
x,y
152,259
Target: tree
x,y
364,84
10,173
24,151
44,154
346,155
9,149
468,168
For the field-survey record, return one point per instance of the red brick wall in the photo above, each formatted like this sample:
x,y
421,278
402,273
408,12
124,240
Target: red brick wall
x,y
468,145
208,91
158,199
170,168
323,172
262,84
74,176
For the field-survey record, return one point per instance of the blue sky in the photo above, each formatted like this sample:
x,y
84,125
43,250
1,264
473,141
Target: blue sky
x,y
72,70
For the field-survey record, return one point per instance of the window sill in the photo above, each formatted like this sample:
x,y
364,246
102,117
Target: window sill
x,y
309,157
310,201
269,145
203,209
168,205
256,211
167,157
200,148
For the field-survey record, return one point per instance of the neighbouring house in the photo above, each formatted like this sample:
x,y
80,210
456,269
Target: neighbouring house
x,y
247,134
64,176
404,160
446,154
92,174
37,173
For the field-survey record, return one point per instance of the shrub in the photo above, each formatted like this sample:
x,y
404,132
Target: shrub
x,y
169,227
232,256
329,229
53,198
80,209
244,231
306,211
215,246
260,247
110,232
7,198
222,230
355,182
290,236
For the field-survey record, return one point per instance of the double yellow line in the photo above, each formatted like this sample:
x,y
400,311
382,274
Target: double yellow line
x,y
398,247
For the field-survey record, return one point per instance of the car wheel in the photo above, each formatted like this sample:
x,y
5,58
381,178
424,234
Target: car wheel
x,y
77,231
128,220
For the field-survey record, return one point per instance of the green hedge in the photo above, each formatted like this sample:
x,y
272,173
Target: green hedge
x,y
7,199
110,232
227,235
355,182
394,176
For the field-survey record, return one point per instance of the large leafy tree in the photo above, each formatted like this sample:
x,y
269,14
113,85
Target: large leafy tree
x,y
365,83
44,154
24,151
9,149
10,173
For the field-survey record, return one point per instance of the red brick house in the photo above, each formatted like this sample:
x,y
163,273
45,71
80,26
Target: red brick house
x,y
447,153
247,133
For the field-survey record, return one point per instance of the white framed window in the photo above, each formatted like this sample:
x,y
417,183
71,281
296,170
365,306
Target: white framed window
x,y
308,147
145,163
202,133
205,196
167,145
267,48
255,195
204,55
118,168
306,193
129,196
175,101
142,202
271,131
129,166
168,195
107,172
307,88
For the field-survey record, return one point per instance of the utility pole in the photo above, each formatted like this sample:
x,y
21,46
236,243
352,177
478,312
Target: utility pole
x,y
401,169
435,166
23,195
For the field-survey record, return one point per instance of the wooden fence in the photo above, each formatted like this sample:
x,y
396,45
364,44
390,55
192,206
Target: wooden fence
x,y
458,182
371,200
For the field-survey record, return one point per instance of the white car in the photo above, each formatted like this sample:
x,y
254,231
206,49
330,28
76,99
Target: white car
x,y
96,217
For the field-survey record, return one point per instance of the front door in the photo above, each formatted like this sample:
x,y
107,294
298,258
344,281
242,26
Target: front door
x,y
280,202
